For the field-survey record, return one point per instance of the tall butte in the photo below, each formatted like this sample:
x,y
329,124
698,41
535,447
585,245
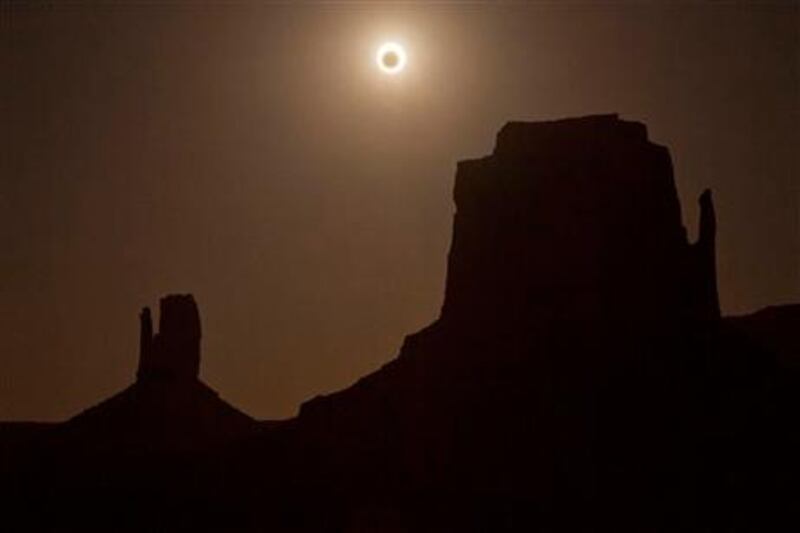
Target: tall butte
x,y
576,217
168,407
174,352
573,306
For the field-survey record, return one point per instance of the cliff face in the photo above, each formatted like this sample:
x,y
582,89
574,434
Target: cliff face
x,y
568,258
575,218
578,361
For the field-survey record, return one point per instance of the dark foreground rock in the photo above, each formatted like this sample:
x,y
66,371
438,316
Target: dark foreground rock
x,y
579,378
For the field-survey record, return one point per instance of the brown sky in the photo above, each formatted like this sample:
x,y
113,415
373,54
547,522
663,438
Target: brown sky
x,y
253,154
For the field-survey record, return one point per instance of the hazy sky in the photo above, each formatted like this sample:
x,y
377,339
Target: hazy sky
x,y
254,155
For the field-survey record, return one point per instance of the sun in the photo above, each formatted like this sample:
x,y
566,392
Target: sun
x,y
391,58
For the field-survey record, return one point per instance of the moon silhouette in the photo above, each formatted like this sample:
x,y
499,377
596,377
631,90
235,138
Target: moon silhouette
x,y
391,58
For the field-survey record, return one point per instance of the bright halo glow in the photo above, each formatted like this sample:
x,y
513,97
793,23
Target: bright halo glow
x,y
391,58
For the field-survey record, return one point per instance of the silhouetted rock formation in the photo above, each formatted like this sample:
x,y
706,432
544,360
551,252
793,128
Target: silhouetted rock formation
x,y
575,217
173,353
167,409
578,368
705,303
579,378
569,267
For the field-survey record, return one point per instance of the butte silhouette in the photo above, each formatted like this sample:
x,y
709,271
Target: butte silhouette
x,y
579,378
